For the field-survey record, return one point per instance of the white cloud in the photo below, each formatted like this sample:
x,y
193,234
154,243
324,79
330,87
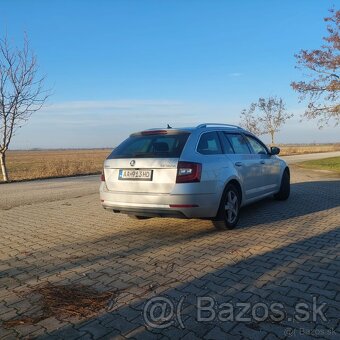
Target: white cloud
x,y
81,106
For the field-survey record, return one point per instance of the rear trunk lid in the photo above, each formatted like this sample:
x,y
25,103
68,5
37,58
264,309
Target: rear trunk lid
x,y
145,176
146,162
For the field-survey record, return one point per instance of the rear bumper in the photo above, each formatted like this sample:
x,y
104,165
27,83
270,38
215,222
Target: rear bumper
x,y
160,205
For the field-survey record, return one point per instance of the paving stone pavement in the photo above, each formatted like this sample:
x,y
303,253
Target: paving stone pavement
x,y
281,253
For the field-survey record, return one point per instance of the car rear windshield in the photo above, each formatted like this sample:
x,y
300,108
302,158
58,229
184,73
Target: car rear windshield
x,y
151,146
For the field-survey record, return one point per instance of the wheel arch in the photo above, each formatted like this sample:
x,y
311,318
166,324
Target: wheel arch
x,y
283,170
219,220
237,184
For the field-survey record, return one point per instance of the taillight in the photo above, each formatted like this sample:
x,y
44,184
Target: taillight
x,y
188,172
102,176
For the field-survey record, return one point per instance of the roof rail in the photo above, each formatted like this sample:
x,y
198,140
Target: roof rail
x,y
217,124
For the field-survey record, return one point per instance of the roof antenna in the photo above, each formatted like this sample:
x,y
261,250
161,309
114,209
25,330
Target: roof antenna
x,y
169,127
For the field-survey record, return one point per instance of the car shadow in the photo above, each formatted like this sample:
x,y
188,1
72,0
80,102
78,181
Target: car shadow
x,y
305,198
287,275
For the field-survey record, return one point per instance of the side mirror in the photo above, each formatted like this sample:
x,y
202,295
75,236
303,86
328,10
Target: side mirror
x,y
274,150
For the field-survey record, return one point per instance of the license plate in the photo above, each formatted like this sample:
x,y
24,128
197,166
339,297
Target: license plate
x,y
139,175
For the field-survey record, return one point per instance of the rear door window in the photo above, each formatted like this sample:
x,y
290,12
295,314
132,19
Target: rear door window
x,y
151,146
238,143
209,144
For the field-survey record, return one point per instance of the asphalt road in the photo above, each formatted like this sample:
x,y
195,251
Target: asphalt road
x,y
49,190
46,190
301,158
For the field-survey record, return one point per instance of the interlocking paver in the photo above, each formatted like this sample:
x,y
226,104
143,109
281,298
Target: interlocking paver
x,y
281,252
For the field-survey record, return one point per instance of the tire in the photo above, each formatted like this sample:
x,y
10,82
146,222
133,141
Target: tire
x,y
227,218
284,192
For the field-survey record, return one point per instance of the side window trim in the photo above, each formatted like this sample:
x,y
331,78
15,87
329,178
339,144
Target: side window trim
x,y
221,135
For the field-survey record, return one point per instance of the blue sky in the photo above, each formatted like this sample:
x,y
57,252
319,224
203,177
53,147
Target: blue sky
x,y
120,66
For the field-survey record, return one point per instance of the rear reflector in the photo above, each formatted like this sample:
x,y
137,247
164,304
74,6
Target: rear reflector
x,y
188,172
183,205
154,132
102,176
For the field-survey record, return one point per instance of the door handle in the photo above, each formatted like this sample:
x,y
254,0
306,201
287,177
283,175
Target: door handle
x,y
262,162
238,163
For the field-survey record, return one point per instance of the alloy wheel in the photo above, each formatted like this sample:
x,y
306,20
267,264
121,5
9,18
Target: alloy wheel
x,y
231,206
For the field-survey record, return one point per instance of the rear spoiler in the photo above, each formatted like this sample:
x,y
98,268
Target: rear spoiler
x,y
159,132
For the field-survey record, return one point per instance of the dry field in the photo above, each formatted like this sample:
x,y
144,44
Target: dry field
x,y
58,163
298,149
54,163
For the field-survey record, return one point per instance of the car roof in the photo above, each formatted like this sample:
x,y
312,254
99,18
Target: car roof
x,y
202,127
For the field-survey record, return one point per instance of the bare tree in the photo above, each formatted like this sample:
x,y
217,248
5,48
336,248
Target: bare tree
x,y
249,121
21,92
273,115
265,117
323,83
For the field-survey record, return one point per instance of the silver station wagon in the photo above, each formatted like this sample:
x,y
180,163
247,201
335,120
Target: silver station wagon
x,y
209,171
